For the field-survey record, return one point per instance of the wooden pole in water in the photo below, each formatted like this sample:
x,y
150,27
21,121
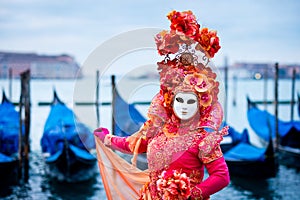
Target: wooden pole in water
x,y
21,145
24,142
265,86
97,98
234,90
293,94
276,106
27,123
10,83
113,87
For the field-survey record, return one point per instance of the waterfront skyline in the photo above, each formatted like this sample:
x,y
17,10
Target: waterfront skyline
x,y
249,31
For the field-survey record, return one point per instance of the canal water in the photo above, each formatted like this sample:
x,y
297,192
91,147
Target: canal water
x,y
286,185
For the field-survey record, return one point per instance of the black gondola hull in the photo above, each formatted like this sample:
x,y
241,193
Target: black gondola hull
x,y
69,167
289,157
253,169
9,173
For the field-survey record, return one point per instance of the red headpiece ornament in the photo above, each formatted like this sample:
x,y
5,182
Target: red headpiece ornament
x,y
187,51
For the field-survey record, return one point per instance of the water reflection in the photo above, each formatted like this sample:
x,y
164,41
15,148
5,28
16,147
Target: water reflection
x,y
63,190
253,188
5,191
40,186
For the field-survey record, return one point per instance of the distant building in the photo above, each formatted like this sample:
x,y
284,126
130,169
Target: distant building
x,y
261,70
40,66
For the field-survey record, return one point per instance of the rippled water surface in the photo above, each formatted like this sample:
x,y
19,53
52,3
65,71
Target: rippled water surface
x,y
286,185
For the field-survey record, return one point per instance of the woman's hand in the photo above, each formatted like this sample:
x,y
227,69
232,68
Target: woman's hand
x,y
101,133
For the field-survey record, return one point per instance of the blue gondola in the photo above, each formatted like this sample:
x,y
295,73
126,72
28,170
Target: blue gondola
x,y
288,131
67,145
246,160
9,142
128,120
299,105
232,138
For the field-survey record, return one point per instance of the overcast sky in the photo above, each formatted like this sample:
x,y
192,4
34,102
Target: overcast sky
x,y
249,30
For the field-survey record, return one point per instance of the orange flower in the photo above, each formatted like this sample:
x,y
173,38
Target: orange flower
x,y
200,82
209,41
194,79
204,38
205,99
167,99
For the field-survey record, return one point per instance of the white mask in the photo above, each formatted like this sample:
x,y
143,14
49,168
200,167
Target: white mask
x,y
185,105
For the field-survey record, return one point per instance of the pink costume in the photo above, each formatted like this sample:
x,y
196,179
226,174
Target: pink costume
x,y
172,145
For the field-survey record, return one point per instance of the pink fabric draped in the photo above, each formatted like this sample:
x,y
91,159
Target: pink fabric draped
x,y
121,180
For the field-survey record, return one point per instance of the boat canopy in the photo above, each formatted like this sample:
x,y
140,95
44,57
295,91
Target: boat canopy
x,y
245,152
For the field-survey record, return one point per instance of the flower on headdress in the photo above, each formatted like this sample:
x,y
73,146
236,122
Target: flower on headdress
x,y
209,41
184,22
199,81
188,69
186,30
167,42
171,77
205,99
167,99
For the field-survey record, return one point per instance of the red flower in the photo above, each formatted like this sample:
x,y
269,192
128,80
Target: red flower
x,y
171,78
209,41
167,43
173,185
186,30
184,22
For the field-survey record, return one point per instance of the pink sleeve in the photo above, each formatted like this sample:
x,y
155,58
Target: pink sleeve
x,y
217,180
122,145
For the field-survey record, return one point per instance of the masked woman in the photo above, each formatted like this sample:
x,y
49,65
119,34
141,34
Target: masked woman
x,y
182,134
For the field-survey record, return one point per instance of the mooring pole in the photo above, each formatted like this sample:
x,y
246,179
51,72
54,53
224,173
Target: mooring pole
x,y
97,98
113,87
10,82
293,94
24,125
266,86
234,90
21,140
276,106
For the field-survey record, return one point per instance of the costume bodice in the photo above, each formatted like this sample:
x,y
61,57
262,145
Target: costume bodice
x,y
180,151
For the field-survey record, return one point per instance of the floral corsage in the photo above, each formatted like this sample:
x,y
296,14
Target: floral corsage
x,y
173,185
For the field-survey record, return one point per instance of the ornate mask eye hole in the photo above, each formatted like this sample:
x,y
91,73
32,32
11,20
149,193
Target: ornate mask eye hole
x,y
186,58
179,99
191,101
